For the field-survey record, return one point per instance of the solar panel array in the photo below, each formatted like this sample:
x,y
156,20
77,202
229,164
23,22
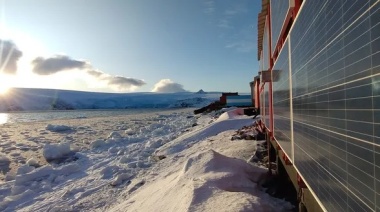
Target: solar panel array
x,y
335,94
281,100
279,9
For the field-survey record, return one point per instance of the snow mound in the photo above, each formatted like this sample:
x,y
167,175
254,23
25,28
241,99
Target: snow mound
x,y
56,151
232,121
208,181
231,114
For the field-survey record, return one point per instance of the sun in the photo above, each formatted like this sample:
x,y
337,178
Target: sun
x,y
4,84
3,90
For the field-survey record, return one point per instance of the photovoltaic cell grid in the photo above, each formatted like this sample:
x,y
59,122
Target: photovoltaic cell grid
x,y
281,100
265,66
335,60
266,106
279,9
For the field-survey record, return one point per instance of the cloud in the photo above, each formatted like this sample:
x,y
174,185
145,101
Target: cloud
x,y
9,55
61,63
209,7
242,46
237,10
118,83
52,65
168,86
224,23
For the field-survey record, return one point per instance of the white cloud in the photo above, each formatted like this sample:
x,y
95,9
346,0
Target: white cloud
x,y
117,83
167,86
224,23
209,7
242,46
57,63
62,64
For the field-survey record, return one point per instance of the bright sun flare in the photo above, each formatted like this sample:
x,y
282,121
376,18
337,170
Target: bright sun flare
x,y
4,84
3,89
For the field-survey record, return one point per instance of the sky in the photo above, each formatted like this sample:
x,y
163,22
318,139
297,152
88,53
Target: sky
x,y
129,45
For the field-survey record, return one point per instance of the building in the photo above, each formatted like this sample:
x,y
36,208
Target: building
x,y
319,96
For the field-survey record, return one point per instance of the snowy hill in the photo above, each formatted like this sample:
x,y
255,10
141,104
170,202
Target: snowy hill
x,y
25,99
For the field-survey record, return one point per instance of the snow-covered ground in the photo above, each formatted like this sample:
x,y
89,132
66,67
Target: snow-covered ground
x,y
172,161
27,99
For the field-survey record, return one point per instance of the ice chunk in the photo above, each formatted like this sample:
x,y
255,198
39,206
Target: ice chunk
x,y
114,135
56,151
4,160
10,176
41,172
130,131
16,190
58,128
108,171
32,162
97,143
24,169
120,178
125,159
113,150
154,144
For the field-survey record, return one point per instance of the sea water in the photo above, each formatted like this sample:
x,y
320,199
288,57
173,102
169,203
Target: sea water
x,y
32,116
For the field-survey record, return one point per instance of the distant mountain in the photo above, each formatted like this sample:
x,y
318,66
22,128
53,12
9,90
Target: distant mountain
x,y
26,99
200,92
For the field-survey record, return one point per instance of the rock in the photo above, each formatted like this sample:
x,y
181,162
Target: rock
x,y
158,157
249,137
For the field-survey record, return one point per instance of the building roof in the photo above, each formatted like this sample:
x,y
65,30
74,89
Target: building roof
x,y
261,25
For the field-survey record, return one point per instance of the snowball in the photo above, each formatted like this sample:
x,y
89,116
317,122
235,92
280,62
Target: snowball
x,y
97,143
56,151
57,128
32,162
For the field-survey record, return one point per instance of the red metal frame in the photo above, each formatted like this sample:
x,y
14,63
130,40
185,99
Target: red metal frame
x,y
270,69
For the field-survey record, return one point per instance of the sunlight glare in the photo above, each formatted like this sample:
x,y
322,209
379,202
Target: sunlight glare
x,y
4,84
3,90
3,118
